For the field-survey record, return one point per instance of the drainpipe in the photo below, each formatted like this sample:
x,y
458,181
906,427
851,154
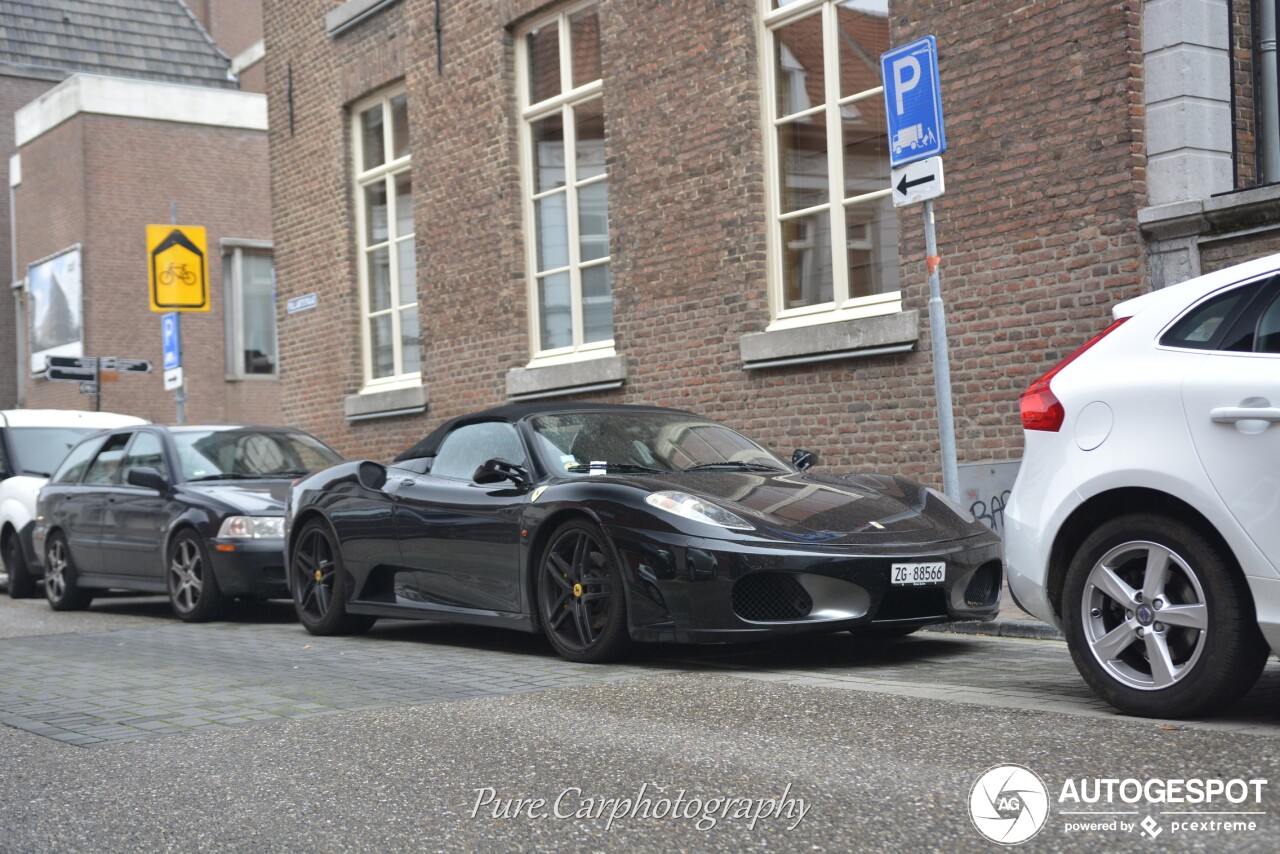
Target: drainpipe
x,y
15,178
1269,117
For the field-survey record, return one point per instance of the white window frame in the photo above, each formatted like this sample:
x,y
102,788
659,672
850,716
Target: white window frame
x,y
363,178
233,250
842,307
563,103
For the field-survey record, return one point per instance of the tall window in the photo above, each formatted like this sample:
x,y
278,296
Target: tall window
x,y
249,287
834,233
566,189
384,225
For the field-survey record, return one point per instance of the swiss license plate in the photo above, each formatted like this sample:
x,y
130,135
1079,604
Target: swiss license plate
x,y
918,573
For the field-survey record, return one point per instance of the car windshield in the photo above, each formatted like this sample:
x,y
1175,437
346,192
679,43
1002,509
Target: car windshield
x,y
234,453
585,443
39,450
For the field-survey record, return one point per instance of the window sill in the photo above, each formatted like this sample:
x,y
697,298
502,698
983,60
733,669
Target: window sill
x,y
598,374
388,403
824,342
351,13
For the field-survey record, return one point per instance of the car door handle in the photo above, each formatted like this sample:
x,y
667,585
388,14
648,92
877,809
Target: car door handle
x,y
1232,414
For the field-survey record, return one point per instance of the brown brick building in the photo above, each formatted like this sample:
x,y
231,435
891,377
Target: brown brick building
x,y
686,204
116,116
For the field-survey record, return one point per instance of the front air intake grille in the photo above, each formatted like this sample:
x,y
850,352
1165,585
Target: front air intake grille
x,y
765,597
984,587
906,603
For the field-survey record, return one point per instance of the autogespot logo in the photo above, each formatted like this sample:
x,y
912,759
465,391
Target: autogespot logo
x,y
1009,804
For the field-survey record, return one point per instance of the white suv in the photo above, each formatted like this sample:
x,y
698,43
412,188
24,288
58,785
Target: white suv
x,y
32,443
1145,520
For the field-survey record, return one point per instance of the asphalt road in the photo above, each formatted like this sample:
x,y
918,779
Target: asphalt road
x,y
253,735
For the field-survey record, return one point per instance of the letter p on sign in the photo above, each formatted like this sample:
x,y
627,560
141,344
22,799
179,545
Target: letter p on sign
x,y
902,84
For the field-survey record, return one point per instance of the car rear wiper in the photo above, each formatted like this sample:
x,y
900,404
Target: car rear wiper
x,y
623,467
731,465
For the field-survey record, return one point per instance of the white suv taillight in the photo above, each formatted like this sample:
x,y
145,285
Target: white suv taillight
x,y
1041,409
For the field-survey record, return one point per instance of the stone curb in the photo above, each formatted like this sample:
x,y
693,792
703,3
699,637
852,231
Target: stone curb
x,y
1002,628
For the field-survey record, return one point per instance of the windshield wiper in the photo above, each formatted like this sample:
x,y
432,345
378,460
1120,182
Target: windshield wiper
x,y
225,475
37,473
731,465
621,467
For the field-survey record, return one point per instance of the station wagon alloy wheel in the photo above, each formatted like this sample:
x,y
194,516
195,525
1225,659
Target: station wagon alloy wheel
x,y
61,586
193,588
580,593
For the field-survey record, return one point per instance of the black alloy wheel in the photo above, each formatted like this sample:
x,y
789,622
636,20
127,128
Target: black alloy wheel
x,y
320,585
22,584
581,601
61,580
1159,619
194,594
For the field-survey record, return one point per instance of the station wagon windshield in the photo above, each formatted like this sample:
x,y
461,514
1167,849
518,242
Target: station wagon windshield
x,y
242,454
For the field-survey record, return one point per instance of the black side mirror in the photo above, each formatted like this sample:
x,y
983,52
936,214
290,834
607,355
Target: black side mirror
x,y
804,460
371,475
496,471
147,478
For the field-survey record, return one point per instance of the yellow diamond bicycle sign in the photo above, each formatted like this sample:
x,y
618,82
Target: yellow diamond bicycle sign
x,y
178,267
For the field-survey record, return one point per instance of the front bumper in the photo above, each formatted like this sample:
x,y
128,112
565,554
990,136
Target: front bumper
x,y
689,589
249,567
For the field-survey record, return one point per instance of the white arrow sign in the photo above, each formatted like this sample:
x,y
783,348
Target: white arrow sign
x,y
916,182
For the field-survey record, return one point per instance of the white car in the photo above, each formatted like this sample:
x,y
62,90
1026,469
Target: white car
x,y
32,443
1145,520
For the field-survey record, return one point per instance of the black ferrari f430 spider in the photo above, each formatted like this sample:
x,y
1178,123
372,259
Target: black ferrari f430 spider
x,y
604,525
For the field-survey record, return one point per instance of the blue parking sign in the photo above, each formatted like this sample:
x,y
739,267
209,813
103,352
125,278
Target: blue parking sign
x,y
172,335
913,101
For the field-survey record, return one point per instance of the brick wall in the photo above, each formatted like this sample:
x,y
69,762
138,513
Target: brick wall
x,y
14,92
1038,232
99,181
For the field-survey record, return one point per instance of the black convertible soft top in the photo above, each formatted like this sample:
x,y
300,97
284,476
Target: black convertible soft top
x,y
513,412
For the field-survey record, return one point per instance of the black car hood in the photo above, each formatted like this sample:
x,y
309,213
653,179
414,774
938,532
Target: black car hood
x,y
249,497
815,508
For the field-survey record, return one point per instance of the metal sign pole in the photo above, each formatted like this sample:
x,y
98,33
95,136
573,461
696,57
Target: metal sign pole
x,y
181,396
941,361
97,385
182,389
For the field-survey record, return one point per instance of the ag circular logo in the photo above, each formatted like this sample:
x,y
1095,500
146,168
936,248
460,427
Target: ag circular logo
x,y
1009,804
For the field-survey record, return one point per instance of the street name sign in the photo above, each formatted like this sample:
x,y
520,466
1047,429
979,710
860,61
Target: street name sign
x,y
913,101
71,368
917,182
178,268
306,302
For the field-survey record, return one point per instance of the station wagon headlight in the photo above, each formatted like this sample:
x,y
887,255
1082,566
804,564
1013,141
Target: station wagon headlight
x,y
695,509
252,527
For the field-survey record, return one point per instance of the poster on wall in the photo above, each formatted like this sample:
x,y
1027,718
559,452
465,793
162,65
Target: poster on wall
x,y
55,306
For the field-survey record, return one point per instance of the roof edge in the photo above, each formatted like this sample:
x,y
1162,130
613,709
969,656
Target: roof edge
x,y
136,98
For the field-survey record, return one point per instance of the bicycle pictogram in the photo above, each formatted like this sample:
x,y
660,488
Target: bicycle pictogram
x,y
177,273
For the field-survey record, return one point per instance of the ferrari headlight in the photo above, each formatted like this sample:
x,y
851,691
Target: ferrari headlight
x,y
694,508
953,506
252,527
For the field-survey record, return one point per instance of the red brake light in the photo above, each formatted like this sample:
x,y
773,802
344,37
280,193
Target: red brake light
x,y
1041,409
